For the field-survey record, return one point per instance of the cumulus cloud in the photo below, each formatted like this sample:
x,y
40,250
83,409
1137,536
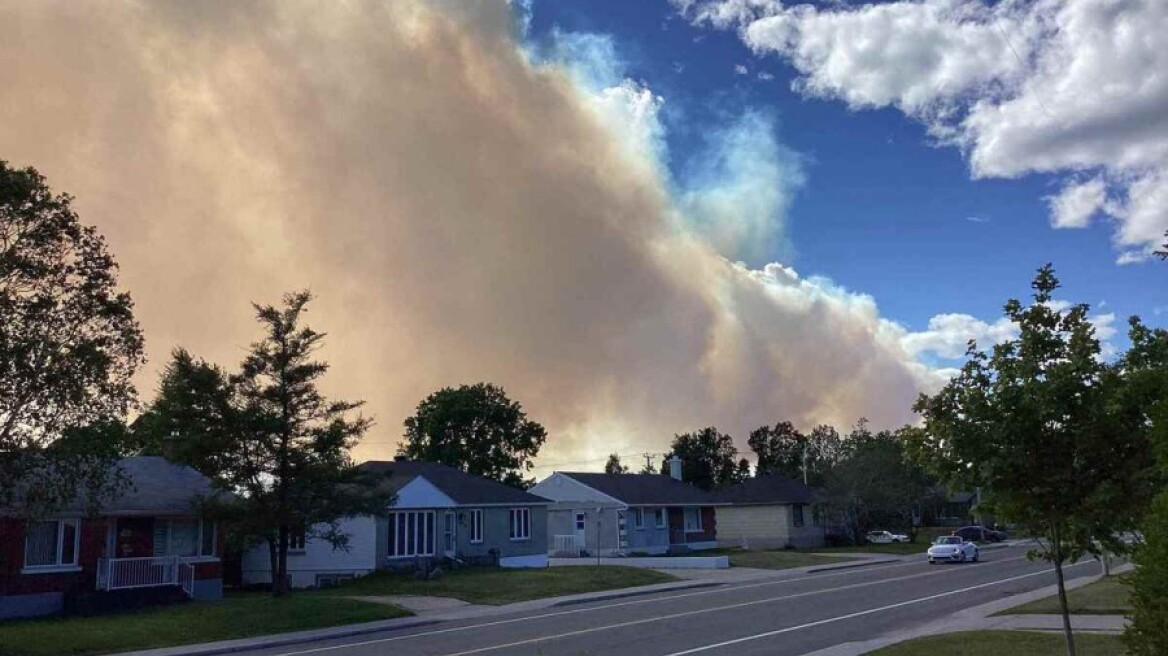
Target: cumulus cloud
x,y
740,69
1054,86
1077,203
463,210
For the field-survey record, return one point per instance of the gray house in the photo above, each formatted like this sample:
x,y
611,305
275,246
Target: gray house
x,y
439,513
623,514
769,512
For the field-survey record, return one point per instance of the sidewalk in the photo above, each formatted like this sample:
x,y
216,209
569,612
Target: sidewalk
x,y
981,618
428,611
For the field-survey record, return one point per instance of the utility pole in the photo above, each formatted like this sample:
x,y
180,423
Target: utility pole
x,y
648,461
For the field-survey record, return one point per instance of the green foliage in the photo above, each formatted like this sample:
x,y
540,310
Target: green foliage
x,y
614,466
69,346
195,416
1047,429
873,484
477,429
709,459
1147,366
779,449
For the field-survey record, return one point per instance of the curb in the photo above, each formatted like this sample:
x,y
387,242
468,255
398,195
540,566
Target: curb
x,y
635,593
853,565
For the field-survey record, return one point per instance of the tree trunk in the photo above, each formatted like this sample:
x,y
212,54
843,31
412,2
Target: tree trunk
x,y
273,560
280,584
1062,593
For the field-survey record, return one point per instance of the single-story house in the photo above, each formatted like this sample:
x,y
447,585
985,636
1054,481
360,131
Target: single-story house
x,y
623,514
149,544
768,512
438,513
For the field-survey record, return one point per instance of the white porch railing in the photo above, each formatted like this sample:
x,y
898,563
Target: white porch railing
x,y
148,572
567,546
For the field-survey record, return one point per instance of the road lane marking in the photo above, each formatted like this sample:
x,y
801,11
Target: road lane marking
x,y
701,611
728,588
768,634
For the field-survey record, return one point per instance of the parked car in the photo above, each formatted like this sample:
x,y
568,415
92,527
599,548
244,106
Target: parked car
x,y
979,534
884,537
952,549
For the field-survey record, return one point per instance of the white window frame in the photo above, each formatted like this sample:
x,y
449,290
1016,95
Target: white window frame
x,y
424,542
685,519
297,539
798,515
519,524
639,518
202,523
660,518
476,526
57,565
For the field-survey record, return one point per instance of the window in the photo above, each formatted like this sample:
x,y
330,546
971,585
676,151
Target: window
x,y
52,544
520,523
659,514
639,518
411,533
693,520
797,514
476,526
297,538
184,537
332,580
580,522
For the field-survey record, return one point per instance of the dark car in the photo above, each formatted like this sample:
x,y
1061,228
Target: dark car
x,y
979,534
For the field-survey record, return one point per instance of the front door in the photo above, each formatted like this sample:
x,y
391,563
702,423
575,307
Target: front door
x,y
580,543
449,534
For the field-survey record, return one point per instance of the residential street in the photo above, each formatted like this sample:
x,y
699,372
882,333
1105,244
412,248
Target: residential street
x,y
777,616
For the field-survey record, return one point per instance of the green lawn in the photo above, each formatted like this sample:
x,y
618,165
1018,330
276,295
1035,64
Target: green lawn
x,y
504,586
1107,596
236,616
1014,643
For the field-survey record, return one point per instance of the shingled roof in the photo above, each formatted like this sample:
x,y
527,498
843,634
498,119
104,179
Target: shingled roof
x,y
767,489
644,489
463,488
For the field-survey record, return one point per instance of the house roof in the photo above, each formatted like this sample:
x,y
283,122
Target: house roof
x,y
767,489
462,488
644,489
158,487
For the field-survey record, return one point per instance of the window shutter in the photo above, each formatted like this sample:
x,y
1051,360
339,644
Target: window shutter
x,y
161,537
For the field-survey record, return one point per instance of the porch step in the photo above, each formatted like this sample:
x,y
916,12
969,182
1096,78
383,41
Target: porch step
x,y
104,602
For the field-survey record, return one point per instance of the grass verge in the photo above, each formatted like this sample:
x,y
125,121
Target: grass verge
x,y
780,559
1014,643
1108,596
898,548
235,616
505,586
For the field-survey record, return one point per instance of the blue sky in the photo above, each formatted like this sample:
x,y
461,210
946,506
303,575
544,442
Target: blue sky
x,y
883,210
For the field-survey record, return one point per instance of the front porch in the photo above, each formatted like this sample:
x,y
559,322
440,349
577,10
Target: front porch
x,y
154,552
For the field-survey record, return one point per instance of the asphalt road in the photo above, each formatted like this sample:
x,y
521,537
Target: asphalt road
x,y
773,617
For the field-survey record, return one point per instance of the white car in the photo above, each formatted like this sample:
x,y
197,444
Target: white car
x,y
884,537
952,549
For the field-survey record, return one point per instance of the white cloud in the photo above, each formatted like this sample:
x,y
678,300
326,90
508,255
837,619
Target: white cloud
x,y
766,77
948,335
739,69
1056,86
1074,206
977,219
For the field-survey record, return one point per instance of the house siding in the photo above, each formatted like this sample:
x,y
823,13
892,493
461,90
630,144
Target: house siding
x,y
600,530
766,527
319,557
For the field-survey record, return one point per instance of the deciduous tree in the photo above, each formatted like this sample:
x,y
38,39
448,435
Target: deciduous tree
x,y
708,458
69,346
477,429
779,449
1037,424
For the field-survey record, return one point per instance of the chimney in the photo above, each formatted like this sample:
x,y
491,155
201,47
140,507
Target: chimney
x,y
675,467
